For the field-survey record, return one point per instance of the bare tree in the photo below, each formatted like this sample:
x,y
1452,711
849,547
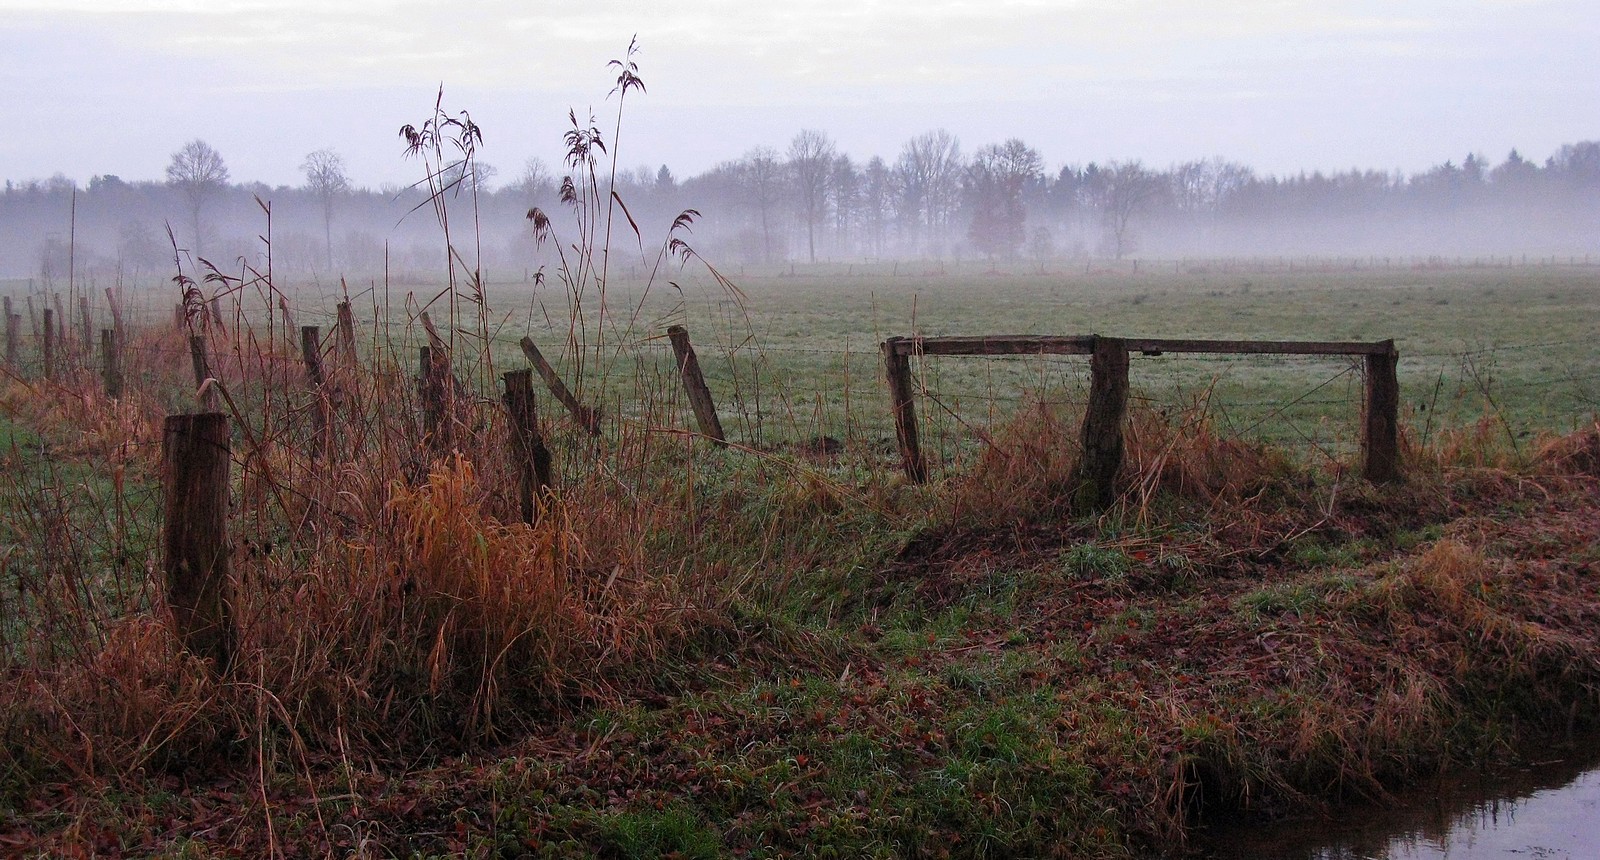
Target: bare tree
x,y
198,172
877,202
326,178
811,156
1128,188
929,174
761,179
995,182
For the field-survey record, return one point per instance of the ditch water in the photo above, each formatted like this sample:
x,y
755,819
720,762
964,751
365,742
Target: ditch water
x,y
1547,808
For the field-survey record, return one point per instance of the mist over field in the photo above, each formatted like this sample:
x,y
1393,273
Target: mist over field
x,y
801,201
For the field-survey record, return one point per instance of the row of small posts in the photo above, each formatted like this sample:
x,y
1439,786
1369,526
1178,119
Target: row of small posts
x,y
1095,475
52,340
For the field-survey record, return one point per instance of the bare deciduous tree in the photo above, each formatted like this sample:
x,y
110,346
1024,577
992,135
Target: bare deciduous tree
x,y
811,155
761,178
326,178
198,172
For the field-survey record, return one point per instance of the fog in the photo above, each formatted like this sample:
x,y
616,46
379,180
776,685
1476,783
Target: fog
x,y
797,202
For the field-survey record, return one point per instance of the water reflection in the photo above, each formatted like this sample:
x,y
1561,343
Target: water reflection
x,y
1547,809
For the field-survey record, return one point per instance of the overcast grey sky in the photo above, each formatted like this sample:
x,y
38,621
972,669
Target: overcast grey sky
x,y
115,86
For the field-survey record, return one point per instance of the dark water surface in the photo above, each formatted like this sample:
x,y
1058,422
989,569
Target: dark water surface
x,y
1545,809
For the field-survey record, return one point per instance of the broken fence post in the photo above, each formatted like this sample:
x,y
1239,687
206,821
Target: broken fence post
x,y
587,418
311,354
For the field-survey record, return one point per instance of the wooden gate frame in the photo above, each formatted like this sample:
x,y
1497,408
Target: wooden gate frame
x,y
1108,386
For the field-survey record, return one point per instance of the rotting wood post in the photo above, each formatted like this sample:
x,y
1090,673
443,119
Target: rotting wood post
x,y
179,316
49,343
529,455
694,382
311,354
195,462
112,363
345,343
432,371
897,369
1094,479
206,394
1380,438
587,418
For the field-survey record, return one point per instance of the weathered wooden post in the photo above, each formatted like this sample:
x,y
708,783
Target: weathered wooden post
x,y
1094,479
1380,438
705,409
195,463
345,343
897,369
528,452
202,372
587,418
33,316
433,373
112,363
311,354
11,335
49,343
180,317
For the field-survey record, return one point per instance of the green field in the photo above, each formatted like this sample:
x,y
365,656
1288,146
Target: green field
x,y
785,649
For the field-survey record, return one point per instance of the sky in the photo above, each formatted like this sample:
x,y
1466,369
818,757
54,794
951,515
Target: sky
x,y
93,87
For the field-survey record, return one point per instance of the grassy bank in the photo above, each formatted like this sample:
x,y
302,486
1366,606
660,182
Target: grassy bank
x,y
711,653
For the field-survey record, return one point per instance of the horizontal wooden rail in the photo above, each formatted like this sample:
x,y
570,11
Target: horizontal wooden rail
x,y
1033,344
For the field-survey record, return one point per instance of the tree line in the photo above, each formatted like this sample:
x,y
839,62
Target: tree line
x,y
810,202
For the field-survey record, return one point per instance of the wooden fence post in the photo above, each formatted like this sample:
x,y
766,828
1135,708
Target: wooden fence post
x,y
11,335
1380,438
529,455
195,463
587,418
345,343
83,326
13,338
33,316
207,394
433,369
311,354
897,369
49,343
112,362
705,409
1094,479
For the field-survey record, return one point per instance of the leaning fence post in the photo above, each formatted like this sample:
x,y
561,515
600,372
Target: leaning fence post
x,y
49,343
587,418
195,463
897,368
529,455
705,409
112,362
202,373
1095,477
1380,438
